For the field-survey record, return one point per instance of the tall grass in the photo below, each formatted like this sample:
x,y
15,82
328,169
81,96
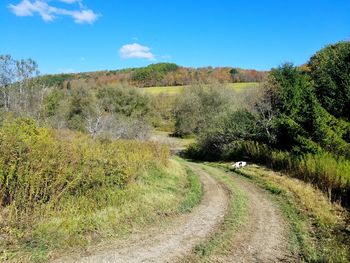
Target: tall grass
x,y
61,189
329,173
152,200
43,170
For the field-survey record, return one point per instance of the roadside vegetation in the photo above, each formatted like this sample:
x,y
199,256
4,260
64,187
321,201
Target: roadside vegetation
x,y
287,125
62,190
319,227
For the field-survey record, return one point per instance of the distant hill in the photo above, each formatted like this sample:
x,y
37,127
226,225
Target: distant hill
x,y
161,74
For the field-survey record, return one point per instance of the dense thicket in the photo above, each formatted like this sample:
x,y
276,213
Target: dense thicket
x,y
199,106
42,169
126,101
194,108
300,123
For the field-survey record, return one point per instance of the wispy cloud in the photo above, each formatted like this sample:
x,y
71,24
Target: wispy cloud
x,y
136,50
49,13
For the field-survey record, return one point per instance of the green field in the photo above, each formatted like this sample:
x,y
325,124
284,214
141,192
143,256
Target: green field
x,y
177,89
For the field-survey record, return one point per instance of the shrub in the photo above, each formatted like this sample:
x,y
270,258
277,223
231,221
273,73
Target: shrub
x,y
43,170
51,102
223,137
198,106
125,101
80,105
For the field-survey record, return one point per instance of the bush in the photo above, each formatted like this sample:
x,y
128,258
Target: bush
x,y
80,105
43,170
198,106
125,101
221,139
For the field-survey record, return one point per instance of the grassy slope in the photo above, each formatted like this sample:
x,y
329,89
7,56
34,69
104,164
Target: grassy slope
x,y
152,199
178,89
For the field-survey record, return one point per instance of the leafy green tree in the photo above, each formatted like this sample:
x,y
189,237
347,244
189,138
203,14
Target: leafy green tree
x,y
329,68
52,102
125,101
198,105
79,107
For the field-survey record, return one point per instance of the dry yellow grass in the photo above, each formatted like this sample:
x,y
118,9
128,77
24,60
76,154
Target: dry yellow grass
x,y
319,226
313,201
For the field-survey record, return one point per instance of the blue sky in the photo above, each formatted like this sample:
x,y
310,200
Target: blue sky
x,y
87,35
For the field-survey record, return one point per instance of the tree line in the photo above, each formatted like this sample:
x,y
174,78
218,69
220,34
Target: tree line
x,y
161,74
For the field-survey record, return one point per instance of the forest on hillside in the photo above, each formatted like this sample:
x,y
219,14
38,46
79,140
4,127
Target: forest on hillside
x,y
161,74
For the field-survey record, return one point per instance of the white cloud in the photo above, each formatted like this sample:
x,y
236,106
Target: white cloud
x,y
136,51
49,13
28,8
84,16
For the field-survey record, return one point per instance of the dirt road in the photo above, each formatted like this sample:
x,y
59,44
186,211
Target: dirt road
x,y
187,231
264,236
261,239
